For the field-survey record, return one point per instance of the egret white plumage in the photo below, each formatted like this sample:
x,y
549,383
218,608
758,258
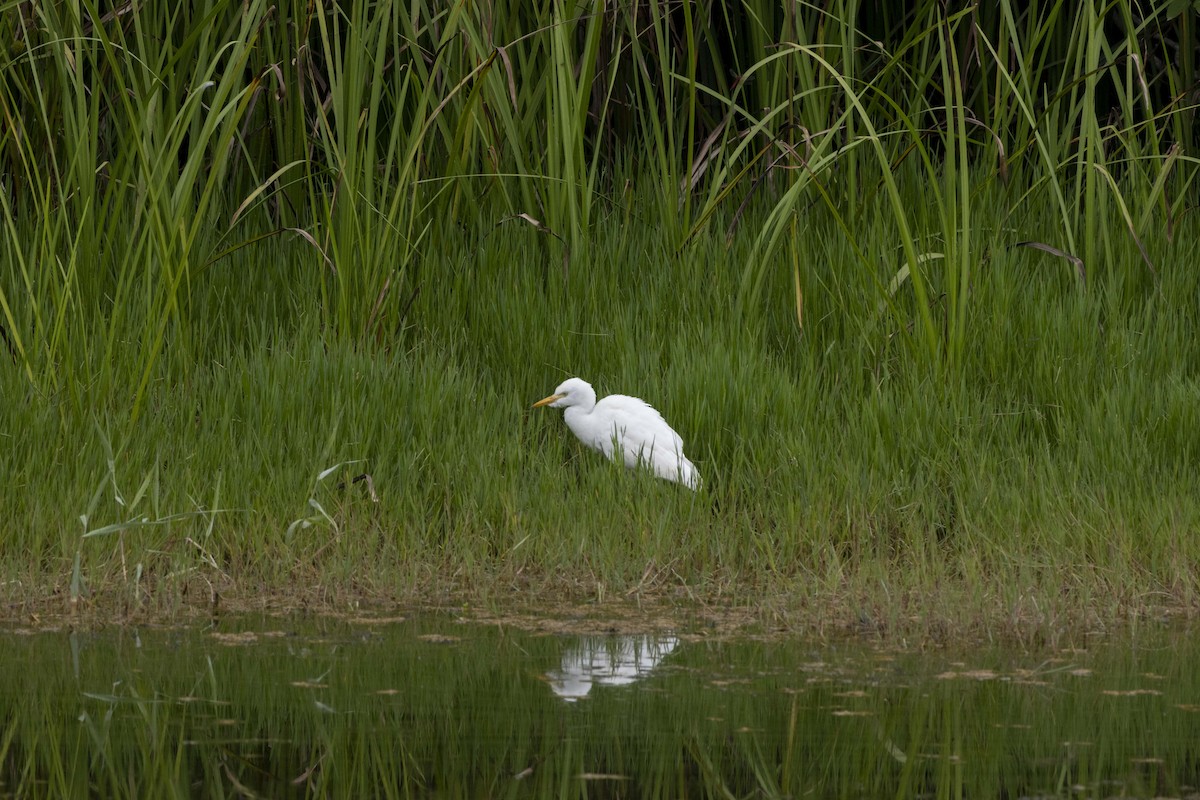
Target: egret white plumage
x,y
623,424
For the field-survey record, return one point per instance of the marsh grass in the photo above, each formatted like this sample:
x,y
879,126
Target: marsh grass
x,y
1052,477
920,304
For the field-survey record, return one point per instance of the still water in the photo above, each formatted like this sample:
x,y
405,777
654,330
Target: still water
x,y
433,706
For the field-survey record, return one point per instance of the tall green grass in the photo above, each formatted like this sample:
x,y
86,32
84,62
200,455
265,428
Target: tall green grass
x,y
1058,465
915,289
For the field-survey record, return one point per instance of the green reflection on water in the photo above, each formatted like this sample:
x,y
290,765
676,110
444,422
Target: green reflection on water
x,y
430,707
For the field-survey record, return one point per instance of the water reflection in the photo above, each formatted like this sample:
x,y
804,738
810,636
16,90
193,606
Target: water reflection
x,y
430,706
608,661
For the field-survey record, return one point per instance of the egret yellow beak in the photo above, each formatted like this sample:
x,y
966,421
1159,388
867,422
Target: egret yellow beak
x,y
545,401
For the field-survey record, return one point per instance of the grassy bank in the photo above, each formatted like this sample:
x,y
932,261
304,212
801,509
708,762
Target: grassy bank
x,y
1053,474
929,332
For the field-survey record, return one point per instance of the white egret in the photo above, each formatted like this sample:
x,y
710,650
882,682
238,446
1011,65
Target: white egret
x,y
625,424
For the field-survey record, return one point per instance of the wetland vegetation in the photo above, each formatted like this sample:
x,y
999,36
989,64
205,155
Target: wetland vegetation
x,y
279,283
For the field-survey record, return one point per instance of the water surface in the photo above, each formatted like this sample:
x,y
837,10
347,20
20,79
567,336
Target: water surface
x,y
432,706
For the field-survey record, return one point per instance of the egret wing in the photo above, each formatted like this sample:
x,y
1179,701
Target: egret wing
x,y
636,426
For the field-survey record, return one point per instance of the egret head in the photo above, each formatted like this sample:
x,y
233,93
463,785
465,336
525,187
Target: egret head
x,y
571,392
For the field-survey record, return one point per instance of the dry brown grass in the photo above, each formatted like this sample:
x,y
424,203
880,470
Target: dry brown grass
x,y
914,617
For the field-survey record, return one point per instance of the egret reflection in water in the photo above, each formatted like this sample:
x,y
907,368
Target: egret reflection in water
x,y
608,661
